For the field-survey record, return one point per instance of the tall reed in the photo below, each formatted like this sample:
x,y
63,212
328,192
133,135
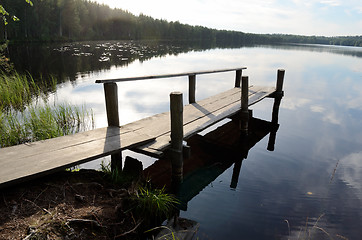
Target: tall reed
x,y
42,122
25,118
18,91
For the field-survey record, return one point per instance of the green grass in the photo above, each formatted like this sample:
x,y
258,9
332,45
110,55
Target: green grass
x,y
154,203
42,122
149,204
18,91
26,116
115,176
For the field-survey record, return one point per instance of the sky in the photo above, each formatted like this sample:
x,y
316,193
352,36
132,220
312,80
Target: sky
x,y
302,17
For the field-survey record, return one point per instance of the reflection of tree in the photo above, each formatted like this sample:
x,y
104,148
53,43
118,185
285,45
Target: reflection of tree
x,y
65,61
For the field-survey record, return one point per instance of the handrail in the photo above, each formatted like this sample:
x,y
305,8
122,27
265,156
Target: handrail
x,y
166,75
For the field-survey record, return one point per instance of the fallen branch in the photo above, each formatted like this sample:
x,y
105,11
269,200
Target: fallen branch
x,y
130,231
87,221
32,233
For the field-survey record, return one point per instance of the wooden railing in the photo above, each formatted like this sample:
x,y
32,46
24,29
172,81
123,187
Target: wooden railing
x,y
176,105
111,95
238,72
191,75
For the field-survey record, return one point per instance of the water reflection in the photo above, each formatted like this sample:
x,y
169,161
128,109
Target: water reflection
x,y
66,61
212,153
320,136
347,51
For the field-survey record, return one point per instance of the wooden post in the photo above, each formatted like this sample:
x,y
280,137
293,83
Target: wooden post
x,y
236,173
111,96
280,80
176,110
277,100
275,125
244,115
192,88
238,78
244,93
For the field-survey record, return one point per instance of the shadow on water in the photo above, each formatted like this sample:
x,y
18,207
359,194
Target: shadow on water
x,y
212,154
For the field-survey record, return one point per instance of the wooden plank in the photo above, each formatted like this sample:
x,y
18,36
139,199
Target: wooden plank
x,y
161,122
27,161
40,163
53,144
214,110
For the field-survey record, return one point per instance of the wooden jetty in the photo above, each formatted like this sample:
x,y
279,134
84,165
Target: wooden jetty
x,y
152,136
211,155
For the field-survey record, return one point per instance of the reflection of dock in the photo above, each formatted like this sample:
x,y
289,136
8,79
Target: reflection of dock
x,y
153,135
211,155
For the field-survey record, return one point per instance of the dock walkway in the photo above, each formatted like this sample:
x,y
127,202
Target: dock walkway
x,y
150,136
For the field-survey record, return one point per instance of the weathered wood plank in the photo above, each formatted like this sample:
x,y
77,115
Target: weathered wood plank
x,y
199,116
150,135
29,166
194,111
53,144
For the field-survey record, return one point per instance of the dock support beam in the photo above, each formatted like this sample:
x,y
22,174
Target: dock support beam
x,y
192,88
238,78
280,81
176,110
111,96
244,114
275,113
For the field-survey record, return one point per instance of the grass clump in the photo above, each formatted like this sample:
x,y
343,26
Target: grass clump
x,y
116,177
42,122
26,116
150,205
18,91
154,204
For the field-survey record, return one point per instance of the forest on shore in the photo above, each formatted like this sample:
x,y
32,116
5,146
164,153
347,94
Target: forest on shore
x,y
77,20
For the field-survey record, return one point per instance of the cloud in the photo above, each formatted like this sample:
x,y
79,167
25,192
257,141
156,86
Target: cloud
x,y
305,17
350,169
333,3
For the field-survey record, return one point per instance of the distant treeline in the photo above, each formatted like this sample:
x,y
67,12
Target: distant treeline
x,y
54,20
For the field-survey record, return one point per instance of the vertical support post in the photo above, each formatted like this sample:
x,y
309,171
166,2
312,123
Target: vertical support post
x,y
238,78
111,97
236,173
176,110
192,88
244,115
244,93
280,81
275,114
275,125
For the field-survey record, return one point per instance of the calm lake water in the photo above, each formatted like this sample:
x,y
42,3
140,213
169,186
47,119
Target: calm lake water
x,y
310,183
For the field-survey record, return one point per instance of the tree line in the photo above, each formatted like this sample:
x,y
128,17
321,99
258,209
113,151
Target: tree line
x,y
64,20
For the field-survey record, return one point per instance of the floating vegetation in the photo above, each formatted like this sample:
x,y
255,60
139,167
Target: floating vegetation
x,y
104,59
